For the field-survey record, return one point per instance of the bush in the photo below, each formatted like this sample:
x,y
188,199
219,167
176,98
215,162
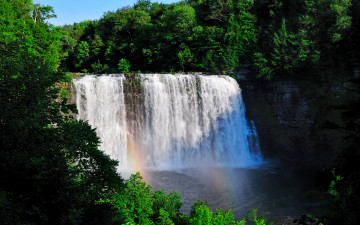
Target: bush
x,y
124,66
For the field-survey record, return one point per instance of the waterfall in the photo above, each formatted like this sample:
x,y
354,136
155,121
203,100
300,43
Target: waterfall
x,y
168,121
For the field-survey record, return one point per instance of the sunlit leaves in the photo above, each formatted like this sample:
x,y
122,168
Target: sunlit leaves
x,y
82,54
124,66
340,9
160,37
202,215
185,56
136,203
184,18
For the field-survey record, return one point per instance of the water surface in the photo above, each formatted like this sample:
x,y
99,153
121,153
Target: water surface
x,y
277,193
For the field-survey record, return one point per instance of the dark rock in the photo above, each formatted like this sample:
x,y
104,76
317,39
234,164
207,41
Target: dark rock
x,y
288,116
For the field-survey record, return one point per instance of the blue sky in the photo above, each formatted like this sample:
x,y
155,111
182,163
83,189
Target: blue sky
x,y
71,11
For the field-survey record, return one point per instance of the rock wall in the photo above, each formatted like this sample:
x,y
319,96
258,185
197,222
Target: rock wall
x,y
288,117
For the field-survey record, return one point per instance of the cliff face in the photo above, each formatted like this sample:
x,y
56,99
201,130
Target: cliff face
x,y
289,117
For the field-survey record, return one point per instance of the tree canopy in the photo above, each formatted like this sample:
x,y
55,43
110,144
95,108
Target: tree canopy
x,y
275,38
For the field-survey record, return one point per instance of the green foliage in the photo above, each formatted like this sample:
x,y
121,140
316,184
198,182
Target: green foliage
x,y
82,54
164,218
56,162
290,52
67,77
340,9
170,203
332,187
96,46
51,170
138,199
124,66
23,22
283,45
136,203
299,35
261,65
99,68
158,37
276,37
185,56
201,214
64,94
253,217
183,17
95,172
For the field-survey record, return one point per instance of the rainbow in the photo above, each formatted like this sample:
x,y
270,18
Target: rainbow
x,y
137,162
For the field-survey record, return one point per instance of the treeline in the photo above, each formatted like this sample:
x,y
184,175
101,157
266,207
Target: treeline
x,y
219,36
163,37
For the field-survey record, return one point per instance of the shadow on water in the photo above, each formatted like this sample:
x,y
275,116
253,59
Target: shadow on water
x,y
276,192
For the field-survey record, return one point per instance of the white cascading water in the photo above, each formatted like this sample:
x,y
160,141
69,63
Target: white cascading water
x,y
176,121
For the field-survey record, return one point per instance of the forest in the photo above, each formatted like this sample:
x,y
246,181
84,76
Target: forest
x,y
51,168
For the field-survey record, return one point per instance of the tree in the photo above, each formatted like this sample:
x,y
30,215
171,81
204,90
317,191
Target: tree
x,y
240,33
201,214
124,66
22,21
300,35
166,207
51,170
136,203
82,55
185,56
183,18
96,46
